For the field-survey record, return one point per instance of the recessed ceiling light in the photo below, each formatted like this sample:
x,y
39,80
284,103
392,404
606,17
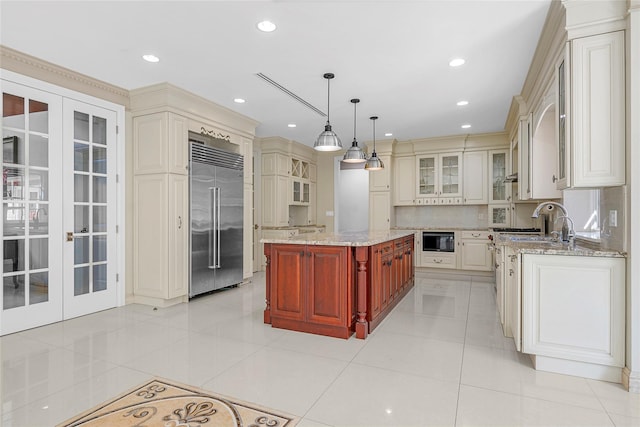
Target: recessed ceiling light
x,y
456,62
462,103
388,134
150,58
266,26
291,125
239,101
465,126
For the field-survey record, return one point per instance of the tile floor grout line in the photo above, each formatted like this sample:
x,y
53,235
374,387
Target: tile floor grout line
x,y
464,345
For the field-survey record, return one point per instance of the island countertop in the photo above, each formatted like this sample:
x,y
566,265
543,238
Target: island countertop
x,y
365,238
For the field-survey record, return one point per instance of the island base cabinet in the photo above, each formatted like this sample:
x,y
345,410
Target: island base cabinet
x,y
573,314
311,289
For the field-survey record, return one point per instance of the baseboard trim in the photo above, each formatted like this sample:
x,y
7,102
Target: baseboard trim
x,y
631,380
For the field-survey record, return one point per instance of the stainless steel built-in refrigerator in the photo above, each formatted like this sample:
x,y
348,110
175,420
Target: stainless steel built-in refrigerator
x,y
216,198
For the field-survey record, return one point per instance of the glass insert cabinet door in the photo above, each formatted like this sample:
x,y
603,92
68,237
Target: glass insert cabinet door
x,y
427,176
450,175
32,208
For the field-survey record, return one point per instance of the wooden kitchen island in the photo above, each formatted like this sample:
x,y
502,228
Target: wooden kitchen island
x,y
336,284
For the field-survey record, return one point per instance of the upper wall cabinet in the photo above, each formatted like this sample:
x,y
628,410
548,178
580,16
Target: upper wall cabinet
x,y
380,180
475,178
438,178
597,111
499,168
404,184
161,144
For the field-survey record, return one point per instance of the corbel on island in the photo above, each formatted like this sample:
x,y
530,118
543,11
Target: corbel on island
x,y
336,284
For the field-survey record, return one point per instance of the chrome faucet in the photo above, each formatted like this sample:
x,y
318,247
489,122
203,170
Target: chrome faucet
x,y
566,233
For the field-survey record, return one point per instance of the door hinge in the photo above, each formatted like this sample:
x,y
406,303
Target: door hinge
x,y
117,129
117,277
117,228
117,178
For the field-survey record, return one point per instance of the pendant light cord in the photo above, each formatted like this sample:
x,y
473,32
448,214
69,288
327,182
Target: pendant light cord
x,y
374,135
328,98
355,105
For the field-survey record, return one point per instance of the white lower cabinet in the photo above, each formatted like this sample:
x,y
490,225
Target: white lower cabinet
x,y
573,314
475,253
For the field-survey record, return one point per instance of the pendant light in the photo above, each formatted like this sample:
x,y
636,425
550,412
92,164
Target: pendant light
x,y
354,154
373,162
328,140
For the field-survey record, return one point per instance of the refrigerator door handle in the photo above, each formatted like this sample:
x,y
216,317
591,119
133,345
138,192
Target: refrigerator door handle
x,y
213,212
218,221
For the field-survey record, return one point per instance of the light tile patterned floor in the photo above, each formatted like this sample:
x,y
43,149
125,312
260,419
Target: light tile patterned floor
x,y
438,359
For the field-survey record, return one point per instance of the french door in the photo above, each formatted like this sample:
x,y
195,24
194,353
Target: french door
x,y
59,194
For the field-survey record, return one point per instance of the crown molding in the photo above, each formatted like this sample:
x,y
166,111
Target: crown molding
x,y
21,63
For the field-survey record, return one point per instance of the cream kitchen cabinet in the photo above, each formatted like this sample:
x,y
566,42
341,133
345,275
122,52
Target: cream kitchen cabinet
x,y
379,210
161,144
500,215
499,190
475,178
276,164
573,314
380,180
275,202
475,250
161,239
596,148
404,181
438,178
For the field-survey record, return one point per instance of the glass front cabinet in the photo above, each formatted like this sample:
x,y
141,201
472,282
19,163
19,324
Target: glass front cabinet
x,y
438,179
500,191
500,215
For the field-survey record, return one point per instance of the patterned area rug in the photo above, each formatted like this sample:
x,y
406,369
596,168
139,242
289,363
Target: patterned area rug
x,y
168,404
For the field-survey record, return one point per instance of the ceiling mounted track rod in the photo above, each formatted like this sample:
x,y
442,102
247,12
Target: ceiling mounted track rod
x,y
291,94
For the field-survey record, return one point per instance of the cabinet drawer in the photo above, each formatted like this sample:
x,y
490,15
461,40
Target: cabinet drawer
x,y
437,260
471,235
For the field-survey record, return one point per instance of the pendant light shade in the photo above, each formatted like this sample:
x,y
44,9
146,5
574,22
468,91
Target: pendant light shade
x,y
354,154
373,162
328,140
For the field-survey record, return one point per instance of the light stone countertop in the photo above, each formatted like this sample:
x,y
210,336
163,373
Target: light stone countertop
x,y
582,248
421,228
365,238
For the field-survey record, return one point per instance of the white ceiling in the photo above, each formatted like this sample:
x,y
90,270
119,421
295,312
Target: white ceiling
x,y
393,55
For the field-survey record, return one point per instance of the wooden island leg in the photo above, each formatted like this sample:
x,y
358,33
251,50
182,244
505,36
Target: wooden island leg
x,y
267,279
362,327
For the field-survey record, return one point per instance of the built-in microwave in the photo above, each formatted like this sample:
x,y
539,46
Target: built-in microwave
x,y
438,241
